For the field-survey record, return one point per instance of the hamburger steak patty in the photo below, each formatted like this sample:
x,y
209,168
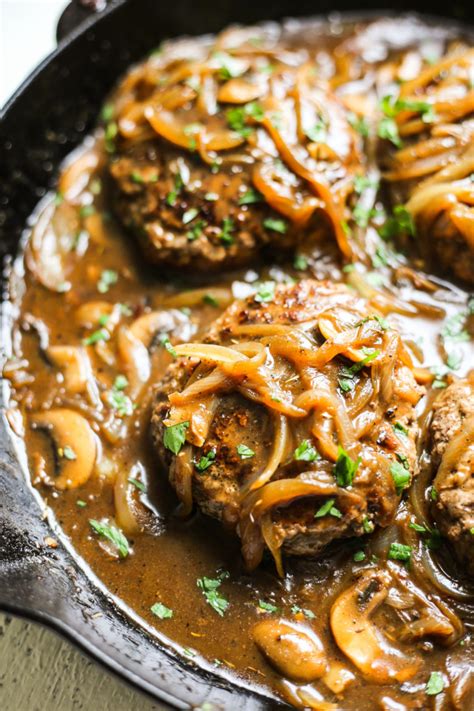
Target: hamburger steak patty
x,y
209,167
452,435
307,500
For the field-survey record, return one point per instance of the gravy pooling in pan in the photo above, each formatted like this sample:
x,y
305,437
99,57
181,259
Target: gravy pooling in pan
x,y
310,186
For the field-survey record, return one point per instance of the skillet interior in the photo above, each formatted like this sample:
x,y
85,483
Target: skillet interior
x,y
35,134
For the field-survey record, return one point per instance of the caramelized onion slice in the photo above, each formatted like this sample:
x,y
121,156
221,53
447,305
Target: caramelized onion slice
x,y
166,125
361,640
75,445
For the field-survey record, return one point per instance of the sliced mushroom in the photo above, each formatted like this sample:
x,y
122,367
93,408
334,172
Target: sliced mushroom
x,y
74,363
361,640
146,327
88,315
295,651
71,433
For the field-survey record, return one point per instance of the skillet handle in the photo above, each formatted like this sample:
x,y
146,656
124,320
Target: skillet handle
x,y
75,13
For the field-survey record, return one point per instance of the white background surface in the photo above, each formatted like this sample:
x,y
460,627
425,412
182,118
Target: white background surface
x,y
27,35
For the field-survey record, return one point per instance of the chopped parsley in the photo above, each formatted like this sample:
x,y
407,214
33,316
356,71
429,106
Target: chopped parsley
x,y
166,343
210,590
300,262
107,113
416,527
82,504
209,299
161,611
391,107
120,402
435,684
454,328
120,382
358,556
175,436
307,613
237,117
267,606
359,124
172,196
205,461
400,475
345,468
399,223
250,197
367,525
328,508
400,429
399,551
112,534
388,130
275,225
108,278
433,494
137,484
226,230
305,452
347,373
96,337
196,230
86,211
265,292
363,182
245,452
318,132
136,177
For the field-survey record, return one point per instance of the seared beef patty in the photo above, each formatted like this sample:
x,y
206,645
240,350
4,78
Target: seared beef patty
x,y
217,155
452,433
316,371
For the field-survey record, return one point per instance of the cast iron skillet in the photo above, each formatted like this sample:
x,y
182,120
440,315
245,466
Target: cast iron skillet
x,y
43,121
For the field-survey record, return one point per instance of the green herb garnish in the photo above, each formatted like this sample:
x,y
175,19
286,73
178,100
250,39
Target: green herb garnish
x,y
175,436
161,611
305,452
226,231
112,534
435,684
205,461
345,468
245,452
401,476
210,590
275,225
108,278
399,551
267,606
137,484
250,197
328,508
